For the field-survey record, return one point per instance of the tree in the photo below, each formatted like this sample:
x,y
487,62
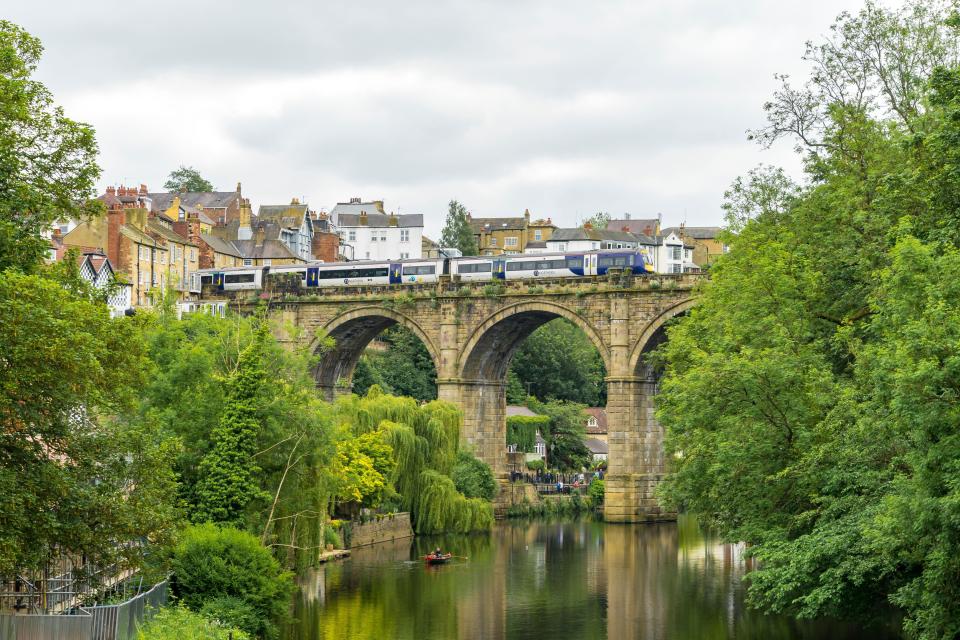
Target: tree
x,y
229,475
457,231
72,478
404,368
48,163
559,361
599,220
473,477
565,447
186,180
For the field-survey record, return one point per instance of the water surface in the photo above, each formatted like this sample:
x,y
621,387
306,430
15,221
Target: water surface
x,y
582,579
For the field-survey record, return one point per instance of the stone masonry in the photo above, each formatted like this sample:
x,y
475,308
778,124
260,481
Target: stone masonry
x,y
472,332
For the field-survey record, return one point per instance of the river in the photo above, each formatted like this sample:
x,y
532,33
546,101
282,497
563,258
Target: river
x,y
570,580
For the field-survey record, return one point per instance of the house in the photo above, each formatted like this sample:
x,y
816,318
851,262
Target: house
x,y
372,234
294,224
497,236
540,445
586,238
220,207
705,241
596,423
642,226
143,250
672,254
262,243
325,245
598,448
170,207
96,269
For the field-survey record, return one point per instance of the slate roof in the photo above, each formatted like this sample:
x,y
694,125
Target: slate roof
x,y
519,410
601,415
280,214
270,249
157,227
354,208
596,446
220,245
698,233
492,224
536,244
646,226
579,233
380,220
160,202
206,199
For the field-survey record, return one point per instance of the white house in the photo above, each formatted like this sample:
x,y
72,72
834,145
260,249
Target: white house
x,y
376,235
295,226
96,269
671,255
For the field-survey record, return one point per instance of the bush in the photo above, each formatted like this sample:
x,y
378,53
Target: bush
x,y
596,492
231,611
210,562
536,465
522,431
330,536
473,478
179,623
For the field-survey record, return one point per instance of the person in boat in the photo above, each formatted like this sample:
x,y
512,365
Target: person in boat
x,y
437,553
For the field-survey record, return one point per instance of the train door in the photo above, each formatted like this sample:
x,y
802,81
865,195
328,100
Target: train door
x,y
396,277
499,269
218,281
313,276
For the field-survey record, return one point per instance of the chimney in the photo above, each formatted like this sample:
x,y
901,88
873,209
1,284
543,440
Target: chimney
x,y
394,221
379,205
238,188
111,190
363,218
526,216
354,200
143,189
587,225
258,241
116,218
245,231
295,201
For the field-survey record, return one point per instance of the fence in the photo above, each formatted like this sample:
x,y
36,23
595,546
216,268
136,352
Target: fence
x,y
105,622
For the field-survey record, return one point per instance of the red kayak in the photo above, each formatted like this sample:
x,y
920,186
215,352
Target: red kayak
x,y
435,559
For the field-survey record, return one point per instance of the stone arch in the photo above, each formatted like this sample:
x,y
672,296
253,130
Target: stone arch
x,y
490,347
653,334
352,331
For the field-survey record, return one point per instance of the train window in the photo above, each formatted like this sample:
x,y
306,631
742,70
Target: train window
x,y
521,266
340,274
551,264
574,263
420,269
477,267
238,278
613,261
206,279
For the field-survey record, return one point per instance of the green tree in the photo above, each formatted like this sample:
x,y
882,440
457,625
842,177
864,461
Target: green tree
x,y
178,622
404,368
565,447
229,475
186,180
516,394
559,361
457,231
48,163
599,220
473,477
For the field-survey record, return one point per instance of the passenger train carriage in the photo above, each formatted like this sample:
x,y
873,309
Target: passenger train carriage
x,y
425,271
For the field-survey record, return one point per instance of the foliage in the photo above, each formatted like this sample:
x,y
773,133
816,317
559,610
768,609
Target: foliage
x,y
330,536
563,506
536,465
48,166
558,361
565,448
232,612
229,475
809,399
473,477
439,507
596,492
405,368
522,431
516,394
361,480
457,231
179,623
187,179
67,368
211,562
599,220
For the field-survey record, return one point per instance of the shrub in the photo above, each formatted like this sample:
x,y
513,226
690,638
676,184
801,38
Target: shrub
x,y
522,431
596,491
210,562
179,623
230,611
330,536
473,478
536,465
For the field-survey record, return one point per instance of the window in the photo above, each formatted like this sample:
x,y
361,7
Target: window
x,y
404,235
340,274
383,236
419,269
493,241
373,237
404,256
686,254
538,235
193,255
539,265
163,257
477,267
675,268
612,261
352,236
510,242
238,278
267,262
675,252
247,262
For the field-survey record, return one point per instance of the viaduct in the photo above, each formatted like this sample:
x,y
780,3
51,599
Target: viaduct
x,y
472,331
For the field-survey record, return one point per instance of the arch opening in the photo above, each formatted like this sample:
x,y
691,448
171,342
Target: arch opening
x,y
352,333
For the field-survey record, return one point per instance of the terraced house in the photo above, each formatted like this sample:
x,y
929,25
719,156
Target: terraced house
x,y
497,236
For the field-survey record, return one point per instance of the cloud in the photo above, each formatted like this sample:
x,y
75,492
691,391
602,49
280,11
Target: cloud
x,y
562,107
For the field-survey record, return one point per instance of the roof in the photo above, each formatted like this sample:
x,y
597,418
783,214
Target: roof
x,y
270,249
536,244
205,199
427,242
220,245
601,415
646,226
520,410
596,445
288,216
157,227
380,220
139,237
697,233
354,208
598,235
492,224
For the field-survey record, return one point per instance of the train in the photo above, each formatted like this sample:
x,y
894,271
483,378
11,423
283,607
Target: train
x,y
428,270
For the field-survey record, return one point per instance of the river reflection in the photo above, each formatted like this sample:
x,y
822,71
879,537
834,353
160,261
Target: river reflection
x,y
577,579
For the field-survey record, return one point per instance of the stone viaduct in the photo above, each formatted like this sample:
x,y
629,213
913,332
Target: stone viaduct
x,y
472,332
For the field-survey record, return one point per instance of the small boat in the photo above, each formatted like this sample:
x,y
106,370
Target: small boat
x,y
435,559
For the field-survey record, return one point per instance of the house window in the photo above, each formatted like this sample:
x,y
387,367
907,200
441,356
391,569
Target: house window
x,y
383,236
267,262
144,254
686,254
404,235
352,236
510,242
404,256
193,255
675,268
368,255
163,257
247,262
493,241
675,253
373,237
538,235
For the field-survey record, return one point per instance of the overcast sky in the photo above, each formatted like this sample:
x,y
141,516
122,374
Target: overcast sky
x,y
565,108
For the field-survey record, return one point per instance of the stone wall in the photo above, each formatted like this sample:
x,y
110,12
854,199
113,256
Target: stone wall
x,y
385,529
